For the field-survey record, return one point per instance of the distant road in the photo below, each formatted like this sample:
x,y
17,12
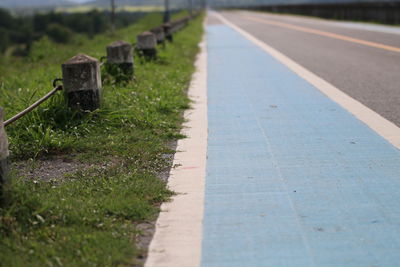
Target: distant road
x,y
362,60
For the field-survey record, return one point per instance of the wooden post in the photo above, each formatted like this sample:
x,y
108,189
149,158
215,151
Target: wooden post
x,y
119,54
146,44
4,153
82,82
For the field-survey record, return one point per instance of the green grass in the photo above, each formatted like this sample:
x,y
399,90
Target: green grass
x,y
86,8
90,218
53,127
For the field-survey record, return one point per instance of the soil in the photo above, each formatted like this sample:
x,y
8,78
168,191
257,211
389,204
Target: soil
x,y
54,168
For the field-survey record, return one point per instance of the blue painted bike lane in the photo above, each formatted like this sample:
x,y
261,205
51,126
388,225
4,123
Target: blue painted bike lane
x,y
292,178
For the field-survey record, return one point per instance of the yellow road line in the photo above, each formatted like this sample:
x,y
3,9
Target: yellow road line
x,y
327,34
382,126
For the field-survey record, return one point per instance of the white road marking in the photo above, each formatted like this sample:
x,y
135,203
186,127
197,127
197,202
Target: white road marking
x,y
376,122
365,26
324,33
178,236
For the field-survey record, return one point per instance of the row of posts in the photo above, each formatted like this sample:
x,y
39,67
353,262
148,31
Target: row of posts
x,y
82,77
81,74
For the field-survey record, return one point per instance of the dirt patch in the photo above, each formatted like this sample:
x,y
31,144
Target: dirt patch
x,y
54,168
143,239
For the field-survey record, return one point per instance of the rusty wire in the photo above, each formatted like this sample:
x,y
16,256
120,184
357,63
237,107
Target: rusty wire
x,y
36,104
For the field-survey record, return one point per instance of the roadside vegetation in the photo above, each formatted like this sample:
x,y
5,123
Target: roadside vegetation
x,y
90,217
126,8
18,33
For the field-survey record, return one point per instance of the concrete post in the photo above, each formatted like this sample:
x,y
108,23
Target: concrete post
x,y
82,82
177,25
167,31
159,33
174,26
146,44
4,153
119,54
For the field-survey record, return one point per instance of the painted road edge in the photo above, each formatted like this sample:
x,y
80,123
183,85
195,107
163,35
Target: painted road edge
x,y
178,236
376,122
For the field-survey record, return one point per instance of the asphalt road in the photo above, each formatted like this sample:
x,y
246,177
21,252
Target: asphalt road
x,y
361,60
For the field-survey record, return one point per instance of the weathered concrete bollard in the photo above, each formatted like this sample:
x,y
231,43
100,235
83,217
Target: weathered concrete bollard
x,y
174,27
119,55
167,31
177,25
182,23
146,44
82,82
4,153
159,33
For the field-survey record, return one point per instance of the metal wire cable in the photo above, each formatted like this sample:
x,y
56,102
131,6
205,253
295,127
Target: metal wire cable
x,y
34,105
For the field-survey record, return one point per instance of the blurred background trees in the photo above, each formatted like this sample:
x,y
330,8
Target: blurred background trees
x,y
21,31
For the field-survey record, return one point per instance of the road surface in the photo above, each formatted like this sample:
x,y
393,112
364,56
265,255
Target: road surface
x,y
367,73
281,168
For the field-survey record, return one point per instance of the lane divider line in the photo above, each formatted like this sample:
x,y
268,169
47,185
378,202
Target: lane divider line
x,y
324,33
376,122
178,237
365,26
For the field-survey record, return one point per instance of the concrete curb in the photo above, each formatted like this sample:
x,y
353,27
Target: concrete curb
x,y
178,236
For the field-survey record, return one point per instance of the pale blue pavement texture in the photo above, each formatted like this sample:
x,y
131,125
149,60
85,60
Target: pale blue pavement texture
x,y
292,178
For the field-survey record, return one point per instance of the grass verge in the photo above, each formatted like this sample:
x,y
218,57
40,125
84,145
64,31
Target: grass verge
x,y
90,217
